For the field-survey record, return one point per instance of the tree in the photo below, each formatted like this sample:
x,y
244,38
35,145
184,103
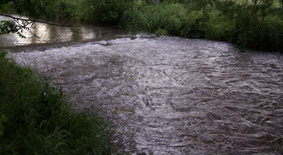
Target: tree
x,y
7,27
31,8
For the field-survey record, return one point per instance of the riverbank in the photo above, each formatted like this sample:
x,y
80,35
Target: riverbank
x,y
247,24
257,26
36,119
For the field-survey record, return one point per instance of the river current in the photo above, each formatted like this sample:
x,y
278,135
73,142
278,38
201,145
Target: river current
x,y
172,95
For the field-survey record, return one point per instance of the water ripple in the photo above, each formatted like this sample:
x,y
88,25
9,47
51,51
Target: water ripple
x,y
174,95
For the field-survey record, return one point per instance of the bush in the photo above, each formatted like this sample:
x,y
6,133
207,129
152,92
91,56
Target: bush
x,y
218,27
35,119
107,11
169,17
260,33
248,25
7,7
196,21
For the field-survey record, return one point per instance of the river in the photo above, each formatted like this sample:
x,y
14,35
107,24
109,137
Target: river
x,y
173,95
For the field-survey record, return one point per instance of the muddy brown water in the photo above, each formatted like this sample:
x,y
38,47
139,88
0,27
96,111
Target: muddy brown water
x,y
172,95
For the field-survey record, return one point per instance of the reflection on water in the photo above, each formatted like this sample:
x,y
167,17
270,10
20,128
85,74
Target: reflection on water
x,y
40,33
173,95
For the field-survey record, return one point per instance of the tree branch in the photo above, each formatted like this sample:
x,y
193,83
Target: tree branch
x,y
30,20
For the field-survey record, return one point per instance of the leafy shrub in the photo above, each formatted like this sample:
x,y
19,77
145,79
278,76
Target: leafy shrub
x,y
247,25
7,7
107,11
201,4
35,119
64,10
196,21
33,8
260,33
170,17
217,27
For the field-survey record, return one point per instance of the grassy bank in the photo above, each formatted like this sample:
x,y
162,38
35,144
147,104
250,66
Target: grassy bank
x,y
35,118
258,26
253,24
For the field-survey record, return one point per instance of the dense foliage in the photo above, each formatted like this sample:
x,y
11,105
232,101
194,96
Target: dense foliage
x,y
35,119
32,8
106,11
169,18
254,24
251,23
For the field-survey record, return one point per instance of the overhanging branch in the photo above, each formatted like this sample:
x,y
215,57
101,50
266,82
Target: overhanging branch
x,y
30,20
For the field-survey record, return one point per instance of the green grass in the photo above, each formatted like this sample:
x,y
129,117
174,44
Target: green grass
x,y
35,118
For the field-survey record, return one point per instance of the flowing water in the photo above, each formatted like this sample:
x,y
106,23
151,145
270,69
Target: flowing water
x,y
172,95
43,36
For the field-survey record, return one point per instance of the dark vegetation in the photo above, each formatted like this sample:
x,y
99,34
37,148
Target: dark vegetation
x,y
258,26
255,24
35,118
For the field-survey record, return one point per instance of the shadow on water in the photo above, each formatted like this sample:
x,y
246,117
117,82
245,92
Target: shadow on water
x,y
168,95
